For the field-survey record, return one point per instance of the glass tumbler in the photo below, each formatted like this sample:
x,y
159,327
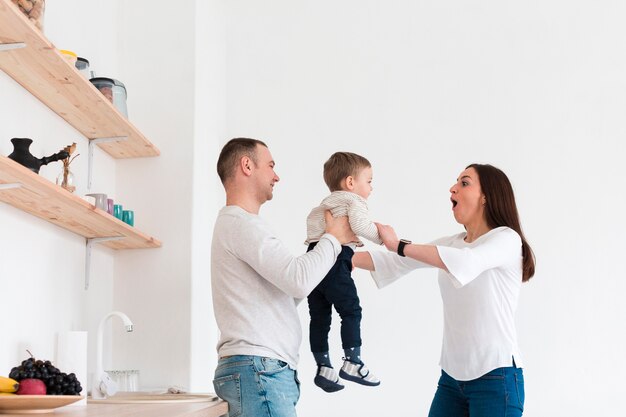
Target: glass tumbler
x,y
126,380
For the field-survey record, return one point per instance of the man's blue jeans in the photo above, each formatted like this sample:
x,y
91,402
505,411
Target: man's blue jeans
x,y
256,386
499,393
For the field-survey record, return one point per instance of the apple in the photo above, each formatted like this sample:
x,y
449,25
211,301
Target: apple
x,y
31,386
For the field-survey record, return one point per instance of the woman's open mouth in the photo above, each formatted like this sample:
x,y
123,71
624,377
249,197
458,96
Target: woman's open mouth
x,y
454,203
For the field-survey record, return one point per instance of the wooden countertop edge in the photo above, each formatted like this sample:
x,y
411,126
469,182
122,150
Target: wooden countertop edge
x,y
200,409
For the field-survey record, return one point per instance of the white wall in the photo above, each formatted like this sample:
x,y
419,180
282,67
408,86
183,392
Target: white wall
x,y
41,265
207,195
423,89
124,40
156,50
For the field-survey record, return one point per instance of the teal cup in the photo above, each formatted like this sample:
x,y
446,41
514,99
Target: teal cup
x,y
117,211
128,217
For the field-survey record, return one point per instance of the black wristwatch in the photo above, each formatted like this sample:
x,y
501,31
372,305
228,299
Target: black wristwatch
x,y
401,245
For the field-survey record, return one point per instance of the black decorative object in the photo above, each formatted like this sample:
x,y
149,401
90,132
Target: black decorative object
x,y
21,154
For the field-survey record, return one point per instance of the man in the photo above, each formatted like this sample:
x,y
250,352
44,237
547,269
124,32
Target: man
x,y
257,284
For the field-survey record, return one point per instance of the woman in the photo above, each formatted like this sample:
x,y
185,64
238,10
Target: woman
x,y
481,271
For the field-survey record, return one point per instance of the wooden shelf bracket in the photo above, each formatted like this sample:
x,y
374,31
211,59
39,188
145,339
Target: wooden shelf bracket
x,y
92,143
90,242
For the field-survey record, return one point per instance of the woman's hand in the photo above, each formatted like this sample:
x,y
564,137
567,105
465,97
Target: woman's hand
x,y
339,227
423,253
388,236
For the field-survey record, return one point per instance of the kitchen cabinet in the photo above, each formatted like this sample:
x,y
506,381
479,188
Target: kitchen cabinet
x,y
31,60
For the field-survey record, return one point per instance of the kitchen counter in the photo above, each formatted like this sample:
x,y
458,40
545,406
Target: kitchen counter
x,y
199,409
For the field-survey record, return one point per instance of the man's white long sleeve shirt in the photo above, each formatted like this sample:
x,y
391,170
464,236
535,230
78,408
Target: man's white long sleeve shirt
x,y
257,283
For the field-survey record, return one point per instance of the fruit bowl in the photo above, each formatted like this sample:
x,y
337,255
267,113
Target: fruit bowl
x,y
34,404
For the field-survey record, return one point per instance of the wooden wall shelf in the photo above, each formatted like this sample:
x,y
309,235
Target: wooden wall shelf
x,y
41,69
48,201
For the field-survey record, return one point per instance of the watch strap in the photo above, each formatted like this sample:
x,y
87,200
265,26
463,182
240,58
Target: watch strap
x,y
401,244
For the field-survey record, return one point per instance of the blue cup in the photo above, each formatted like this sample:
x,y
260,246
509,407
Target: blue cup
x,y
117,211
128,217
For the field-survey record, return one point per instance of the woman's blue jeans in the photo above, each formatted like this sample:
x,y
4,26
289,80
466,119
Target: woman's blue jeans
x,y
499,393
255,386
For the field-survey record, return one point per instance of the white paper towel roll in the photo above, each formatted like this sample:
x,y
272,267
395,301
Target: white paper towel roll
x,y
72,357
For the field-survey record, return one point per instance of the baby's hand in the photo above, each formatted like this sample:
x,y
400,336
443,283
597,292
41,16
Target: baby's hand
x,y
388,236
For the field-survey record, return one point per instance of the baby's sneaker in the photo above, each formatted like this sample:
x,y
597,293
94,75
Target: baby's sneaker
x,y
359,373
327,379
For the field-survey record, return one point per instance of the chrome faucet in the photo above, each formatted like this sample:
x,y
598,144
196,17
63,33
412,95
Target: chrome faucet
x,y
103,386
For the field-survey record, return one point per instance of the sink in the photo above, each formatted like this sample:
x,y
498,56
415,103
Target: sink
x,y
153,398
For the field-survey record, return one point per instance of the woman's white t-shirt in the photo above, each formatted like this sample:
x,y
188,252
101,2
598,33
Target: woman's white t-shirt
x,y
479,294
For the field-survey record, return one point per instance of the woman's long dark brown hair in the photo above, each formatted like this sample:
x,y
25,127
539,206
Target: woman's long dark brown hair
x,y
501,210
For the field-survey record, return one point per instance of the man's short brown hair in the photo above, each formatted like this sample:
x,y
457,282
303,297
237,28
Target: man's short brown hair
x,y
232,153
342,165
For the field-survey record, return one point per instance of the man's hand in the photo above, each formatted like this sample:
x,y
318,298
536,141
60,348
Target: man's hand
x,y
340,228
